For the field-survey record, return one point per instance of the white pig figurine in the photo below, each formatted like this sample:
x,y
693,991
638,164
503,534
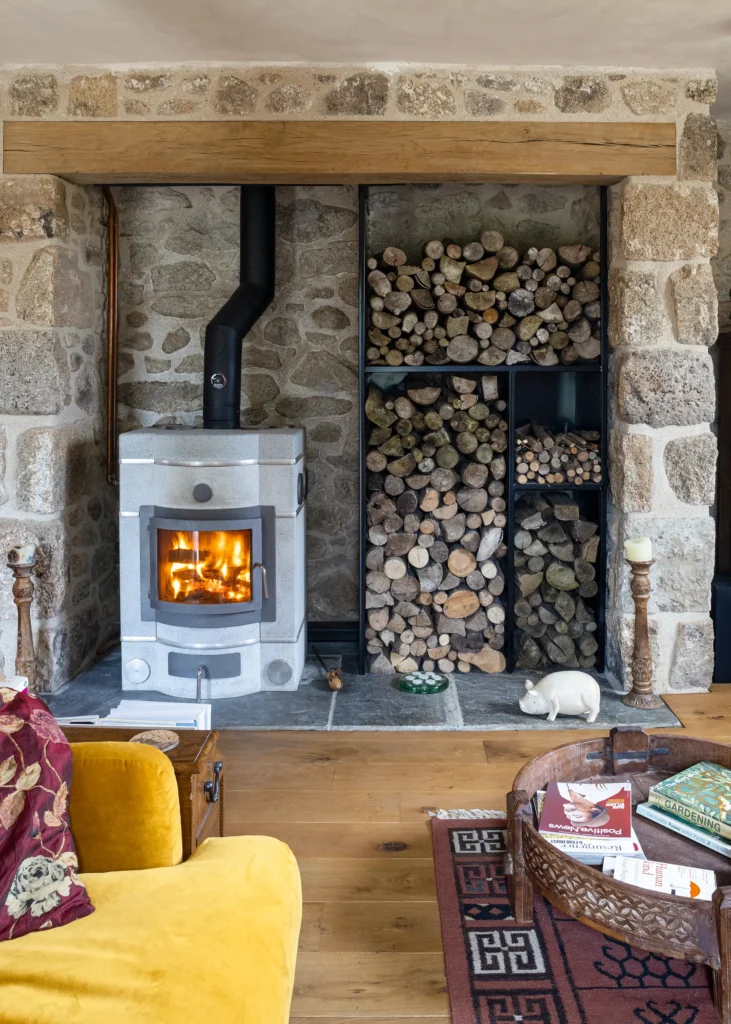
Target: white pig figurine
x,y
562,693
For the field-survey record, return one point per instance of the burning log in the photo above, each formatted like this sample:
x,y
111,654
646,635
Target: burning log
x,y
483,303
568,457
556,552
435,524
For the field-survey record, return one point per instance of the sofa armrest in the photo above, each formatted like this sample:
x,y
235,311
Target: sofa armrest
x,y
124,807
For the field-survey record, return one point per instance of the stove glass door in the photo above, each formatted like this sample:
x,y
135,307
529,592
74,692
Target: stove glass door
x,y
204,567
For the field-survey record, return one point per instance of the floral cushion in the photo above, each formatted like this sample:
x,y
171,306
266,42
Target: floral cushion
x,y
39,887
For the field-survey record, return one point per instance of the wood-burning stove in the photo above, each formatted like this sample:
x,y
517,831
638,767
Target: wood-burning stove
x,y
212,535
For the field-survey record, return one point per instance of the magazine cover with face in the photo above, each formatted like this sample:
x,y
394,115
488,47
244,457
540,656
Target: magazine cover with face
x,y
598,810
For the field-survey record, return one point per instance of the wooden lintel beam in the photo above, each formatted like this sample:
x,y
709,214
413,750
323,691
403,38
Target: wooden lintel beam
x,y
324,152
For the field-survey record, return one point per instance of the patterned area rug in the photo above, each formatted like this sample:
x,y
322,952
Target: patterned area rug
x,y
556,971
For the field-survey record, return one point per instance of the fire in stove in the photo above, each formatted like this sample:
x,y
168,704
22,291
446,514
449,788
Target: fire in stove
x,y
204,566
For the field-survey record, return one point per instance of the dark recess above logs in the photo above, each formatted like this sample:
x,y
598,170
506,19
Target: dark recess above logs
x,y
484,303
561,457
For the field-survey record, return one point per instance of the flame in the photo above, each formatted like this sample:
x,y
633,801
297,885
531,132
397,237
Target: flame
x,y
218,570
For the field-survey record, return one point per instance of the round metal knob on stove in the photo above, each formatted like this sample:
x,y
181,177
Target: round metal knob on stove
x,y
137,670
202,492
279,672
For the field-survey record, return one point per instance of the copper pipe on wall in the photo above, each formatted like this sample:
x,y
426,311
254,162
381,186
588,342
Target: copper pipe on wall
x,y
112,333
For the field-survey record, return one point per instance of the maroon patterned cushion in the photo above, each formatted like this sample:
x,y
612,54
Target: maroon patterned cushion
x,y
39,887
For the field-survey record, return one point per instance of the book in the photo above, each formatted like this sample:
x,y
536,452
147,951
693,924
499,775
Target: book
x,y
689,814
674,879
149,714
589,851
704,787
598,811
77,720
684,828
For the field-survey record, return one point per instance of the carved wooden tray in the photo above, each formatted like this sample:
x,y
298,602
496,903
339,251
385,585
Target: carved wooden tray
x,y
675,926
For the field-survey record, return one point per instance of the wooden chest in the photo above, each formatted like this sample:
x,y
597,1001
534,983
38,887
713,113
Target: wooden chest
x,y
198,771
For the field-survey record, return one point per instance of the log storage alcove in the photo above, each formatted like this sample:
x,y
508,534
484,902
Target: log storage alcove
x,y
483,428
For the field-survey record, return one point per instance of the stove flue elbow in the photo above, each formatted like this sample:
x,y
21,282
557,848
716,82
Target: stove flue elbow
x,y
226,331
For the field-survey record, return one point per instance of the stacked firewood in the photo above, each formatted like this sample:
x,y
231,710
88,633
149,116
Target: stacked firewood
x,y
436,473
484,303
556,552
562,457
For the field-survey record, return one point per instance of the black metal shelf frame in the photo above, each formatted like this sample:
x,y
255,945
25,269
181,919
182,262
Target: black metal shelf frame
x,y
478,368
513,489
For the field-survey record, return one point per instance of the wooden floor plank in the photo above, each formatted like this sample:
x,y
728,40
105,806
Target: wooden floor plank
x,y
701,715
311,929
417,776
416,806
300,747
388,840
375,927
272,805
356,880
369,984
257,775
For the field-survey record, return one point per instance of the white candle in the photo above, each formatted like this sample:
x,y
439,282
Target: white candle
x,y
639,549
24,554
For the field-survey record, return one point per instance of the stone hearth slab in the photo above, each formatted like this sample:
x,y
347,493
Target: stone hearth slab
x,y
491,702
99,689
374,702
476,702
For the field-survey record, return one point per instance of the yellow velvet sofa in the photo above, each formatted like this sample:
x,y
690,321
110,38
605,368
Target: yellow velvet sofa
x,y
212,939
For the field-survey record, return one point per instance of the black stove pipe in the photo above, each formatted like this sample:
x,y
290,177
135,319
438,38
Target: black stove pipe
x,y
226,331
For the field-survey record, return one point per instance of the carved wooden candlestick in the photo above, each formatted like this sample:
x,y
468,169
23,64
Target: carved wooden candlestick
x,y
641,695
25,660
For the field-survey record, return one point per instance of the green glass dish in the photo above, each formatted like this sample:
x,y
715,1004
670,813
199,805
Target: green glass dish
x,y
423,682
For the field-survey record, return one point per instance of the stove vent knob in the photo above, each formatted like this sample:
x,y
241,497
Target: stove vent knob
x,y
137,670
279,672
202,492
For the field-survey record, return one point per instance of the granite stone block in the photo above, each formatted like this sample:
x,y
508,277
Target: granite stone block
x,y
34,372
32,207
692,665
666,387
690,466
674,221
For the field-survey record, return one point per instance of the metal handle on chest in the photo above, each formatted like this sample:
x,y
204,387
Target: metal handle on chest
x,y
212,789
264,587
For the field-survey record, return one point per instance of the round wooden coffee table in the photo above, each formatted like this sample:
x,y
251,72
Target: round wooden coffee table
x,y
673,926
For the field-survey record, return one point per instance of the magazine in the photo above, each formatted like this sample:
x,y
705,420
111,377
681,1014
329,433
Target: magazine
x,y
593,810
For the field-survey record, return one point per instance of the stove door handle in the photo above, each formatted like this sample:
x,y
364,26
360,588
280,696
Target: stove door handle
x,y
264,587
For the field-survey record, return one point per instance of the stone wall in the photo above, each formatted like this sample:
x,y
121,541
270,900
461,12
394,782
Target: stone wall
x,y
663,302
53,488
722,263
663,455
179,262
261,92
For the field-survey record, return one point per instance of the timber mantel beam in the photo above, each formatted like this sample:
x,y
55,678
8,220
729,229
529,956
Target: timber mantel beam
x,y
327,152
